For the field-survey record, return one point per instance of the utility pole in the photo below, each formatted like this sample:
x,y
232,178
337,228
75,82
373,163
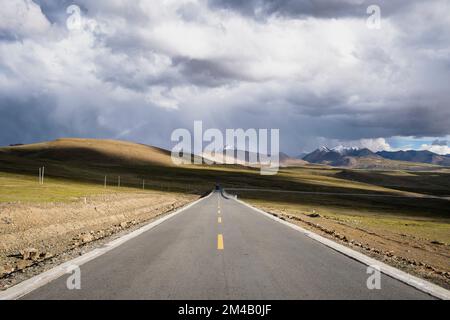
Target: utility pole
x,y
143,184
41,175
118,183
105,183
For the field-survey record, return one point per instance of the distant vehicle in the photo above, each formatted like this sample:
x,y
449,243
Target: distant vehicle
x,y
217,187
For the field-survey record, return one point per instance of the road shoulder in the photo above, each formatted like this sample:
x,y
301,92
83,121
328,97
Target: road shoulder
x,y
404,277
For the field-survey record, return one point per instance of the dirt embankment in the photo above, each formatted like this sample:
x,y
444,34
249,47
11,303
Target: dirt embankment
x,y
33,234
424,258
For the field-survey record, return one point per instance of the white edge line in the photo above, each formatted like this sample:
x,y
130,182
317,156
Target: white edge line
x,y
420,284
46,277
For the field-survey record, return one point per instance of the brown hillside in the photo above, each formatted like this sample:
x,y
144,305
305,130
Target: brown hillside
x,y
92,151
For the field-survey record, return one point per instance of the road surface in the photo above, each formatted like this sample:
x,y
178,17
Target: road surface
x,y
221,249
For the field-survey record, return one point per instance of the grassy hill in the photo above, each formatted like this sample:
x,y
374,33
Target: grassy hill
x,y
92,151
88,161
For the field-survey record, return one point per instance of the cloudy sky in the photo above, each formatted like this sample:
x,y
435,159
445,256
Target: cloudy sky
x,y
137,70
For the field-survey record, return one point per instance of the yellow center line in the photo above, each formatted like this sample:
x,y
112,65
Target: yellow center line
x,y
219,220
219,242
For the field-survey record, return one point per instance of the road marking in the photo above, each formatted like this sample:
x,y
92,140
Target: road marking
x,y
220,242
44,278
219,220
218,211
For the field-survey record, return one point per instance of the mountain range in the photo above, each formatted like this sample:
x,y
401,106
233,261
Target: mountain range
x,y
340,156
417,156
249,158
364,158
94,151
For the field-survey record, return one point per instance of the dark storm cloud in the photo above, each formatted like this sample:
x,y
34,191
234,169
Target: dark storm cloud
x,y
182,71
311,8
20,121
420,121
8,35
151,68
208,73
39,118
440,142
55,10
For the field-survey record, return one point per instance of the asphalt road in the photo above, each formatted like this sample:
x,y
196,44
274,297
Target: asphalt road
x,y
220,249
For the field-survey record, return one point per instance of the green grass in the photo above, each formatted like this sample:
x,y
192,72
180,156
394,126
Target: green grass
x,y
74,170
422,218
23,188
426,182
417,208
74,178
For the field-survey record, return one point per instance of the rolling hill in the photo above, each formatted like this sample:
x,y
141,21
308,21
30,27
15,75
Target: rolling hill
x,y
287,161
91,151
251,159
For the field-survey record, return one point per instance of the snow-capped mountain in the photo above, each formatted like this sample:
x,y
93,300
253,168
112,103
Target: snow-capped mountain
x,y
344,150
339,156
354,157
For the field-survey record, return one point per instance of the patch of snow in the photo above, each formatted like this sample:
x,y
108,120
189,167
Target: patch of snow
x,y
323,148
341,149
